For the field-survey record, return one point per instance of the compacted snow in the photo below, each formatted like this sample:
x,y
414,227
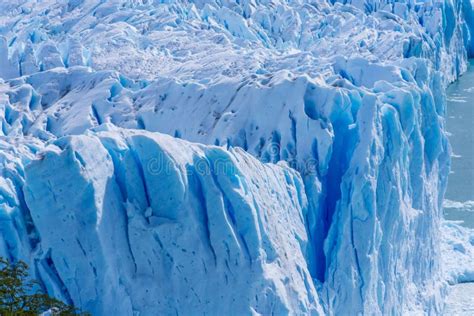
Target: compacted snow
x,y
316,188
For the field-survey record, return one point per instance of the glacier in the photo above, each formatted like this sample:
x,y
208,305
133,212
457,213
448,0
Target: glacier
x,y
163,215
305,166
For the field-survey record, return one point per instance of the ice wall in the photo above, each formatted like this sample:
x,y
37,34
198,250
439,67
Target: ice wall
x,y
458,245
351,96
169,227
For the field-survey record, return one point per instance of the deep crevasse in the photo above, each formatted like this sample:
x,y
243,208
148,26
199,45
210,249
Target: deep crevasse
x,y
351,98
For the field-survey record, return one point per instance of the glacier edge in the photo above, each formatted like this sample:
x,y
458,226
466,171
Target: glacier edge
x,y
362,133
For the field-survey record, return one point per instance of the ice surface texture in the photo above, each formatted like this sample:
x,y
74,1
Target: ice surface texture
x,y
458,244
350,95
170,227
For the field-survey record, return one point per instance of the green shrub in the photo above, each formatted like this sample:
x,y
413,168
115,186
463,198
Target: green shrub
x,y
21,296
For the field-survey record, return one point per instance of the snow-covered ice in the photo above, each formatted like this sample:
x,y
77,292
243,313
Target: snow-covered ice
x,y
326,118
458,264
460,302
458,247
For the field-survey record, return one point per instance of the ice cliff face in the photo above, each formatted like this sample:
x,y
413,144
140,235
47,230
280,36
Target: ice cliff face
x,y
170,227
350,95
